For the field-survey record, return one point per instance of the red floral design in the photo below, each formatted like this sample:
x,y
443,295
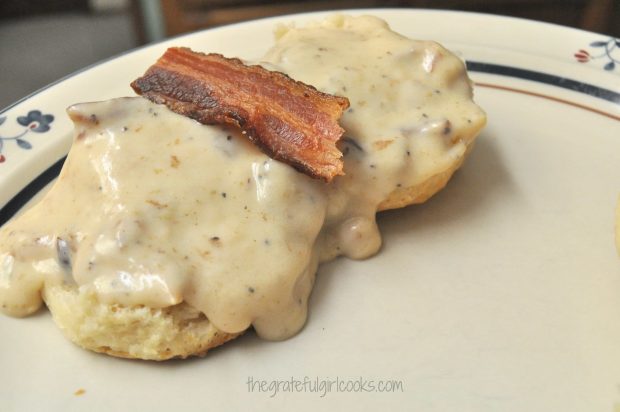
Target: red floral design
x,y
582,56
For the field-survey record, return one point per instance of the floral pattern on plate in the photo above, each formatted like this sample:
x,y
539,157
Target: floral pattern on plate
x,y
34,121
608,50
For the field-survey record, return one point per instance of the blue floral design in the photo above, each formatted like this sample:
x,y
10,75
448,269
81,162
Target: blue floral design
x,y
34,121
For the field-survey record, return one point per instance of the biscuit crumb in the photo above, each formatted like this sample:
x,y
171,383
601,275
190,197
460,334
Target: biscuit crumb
x,y
80,392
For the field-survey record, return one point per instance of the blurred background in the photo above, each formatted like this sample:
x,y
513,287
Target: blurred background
x,y
44,40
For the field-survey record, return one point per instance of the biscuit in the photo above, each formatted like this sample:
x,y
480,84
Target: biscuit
x,y
180,330
131,332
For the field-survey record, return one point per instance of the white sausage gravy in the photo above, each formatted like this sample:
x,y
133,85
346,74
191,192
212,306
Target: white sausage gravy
x,y
152,208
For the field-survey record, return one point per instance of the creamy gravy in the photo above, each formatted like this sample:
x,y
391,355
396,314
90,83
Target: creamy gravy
x,y
153,209
411,110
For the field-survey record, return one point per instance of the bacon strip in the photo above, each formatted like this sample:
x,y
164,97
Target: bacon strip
x,y
287,119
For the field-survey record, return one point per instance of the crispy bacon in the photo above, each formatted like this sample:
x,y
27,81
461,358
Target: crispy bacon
x,y
287,119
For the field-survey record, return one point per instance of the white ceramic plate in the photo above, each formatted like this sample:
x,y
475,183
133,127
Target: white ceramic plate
x,y
502,293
